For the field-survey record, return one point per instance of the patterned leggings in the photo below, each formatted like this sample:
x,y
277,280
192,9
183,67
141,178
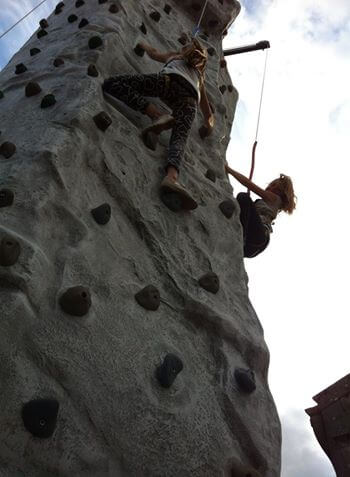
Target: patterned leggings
x,y
178,94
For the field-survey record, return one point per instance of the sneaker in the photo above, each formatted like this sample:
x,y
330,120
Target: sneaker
x,y
161,124
168,185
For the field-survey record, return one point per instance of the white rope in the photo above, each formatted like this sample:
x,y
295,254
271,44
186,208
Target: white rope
x,y
261,96
19,21
196,31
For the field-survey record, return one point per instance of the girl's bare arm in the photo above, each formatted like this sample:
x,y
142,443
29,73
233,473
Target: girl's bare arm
x,y
156,55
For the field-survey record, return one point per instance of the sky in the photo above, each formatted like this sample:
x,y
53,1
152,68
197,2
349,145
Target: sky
x,y
298,286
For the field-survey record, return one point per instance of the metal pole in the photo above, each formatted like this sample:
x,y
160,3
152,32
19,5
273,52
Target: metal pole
x,y
261,45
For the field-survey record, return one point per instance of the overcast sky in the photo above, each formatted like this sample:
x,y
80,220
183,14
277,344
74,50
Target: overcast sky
x,y
298,286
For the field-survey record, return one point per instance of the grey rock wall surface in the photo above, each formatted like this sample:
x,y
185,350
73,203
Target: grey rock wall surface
x,y
114,418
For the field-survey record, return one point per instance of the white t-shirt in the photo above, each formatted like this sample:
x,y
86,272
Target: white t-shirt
x,y
181,68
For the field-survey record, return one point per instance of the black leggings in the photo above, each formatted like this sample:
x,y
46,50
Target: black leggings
x,y
176,92
255,234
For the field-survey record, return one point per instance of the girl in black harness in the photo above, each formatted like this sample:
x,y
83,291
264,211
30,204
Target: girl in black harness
x,y
180,85
257,217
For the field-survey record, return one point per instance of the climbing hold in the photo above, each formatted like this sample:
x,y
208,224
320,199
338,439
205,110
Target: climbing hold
x,y
58,62
183,39
32,89
76,301
10,250
102,1
210,282
40,417
41,33
79,3
166,373
6,197
172,201
1,94
203,132
83,23
114,8
72,18
102,121
211,51
59,8
102,214
143,29
92,71
167,9
139,50
227,207
230,88
21,68
245,379
223,63
95,42
210,174
43,23
34,51
196,7
7,149
222,89
149,298
47,101
155,16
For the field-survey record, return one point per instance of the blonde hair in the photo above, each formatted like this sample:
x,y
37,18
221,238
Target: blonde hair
x,y
196,56
283,186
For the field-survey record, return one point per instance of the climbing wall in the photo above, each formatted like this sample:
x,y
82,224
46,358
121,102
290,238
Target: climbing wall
x,y
128,343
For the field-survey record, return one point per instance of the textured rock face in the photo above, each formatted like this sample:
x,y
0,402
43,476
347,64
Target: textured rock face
x,y
115,360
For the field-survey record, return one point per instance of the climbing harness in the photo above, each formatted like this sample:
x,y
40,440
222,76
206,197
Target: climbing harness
x,y
21,19
258,122
197,28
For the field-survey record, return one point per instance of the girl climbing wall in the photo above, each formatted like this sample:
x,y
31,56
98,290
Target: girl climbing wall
x,y
257,217
180,85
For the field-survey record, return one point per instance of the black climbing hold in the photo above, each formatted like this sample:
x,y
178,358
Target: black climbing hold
x,y
10,250
7,149
114,8
245,379
58,62
223,64
92,71
1,94
227,207
222,89
211,51
95,42
167,9
21,68
155,16
47,101
183,39
203,132
102,121
230,88
59,8
102,214
40,417
72,18
34,51
196,6
76,301
32,89
139,50
167,372
210,282
102,1
43,23
41,33
172,200
210,174
149,298
143,30
6,197
79,3
83,23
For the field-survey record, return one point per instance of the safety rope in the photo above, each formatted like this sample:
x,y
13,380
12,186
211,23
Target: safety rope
x,y
21,19
197,28
258,121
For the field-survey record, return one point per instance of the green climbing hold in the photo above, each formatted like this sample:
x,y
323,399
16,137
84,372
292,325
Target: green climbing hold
x,y
210,282
72,18
58,62
41,33
43,23
92,71
155,16
20,69
34,51
7,149
227,207
10,251
148,298
102,121
6,197
48,101
76,301
32,89
83,23
95,42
